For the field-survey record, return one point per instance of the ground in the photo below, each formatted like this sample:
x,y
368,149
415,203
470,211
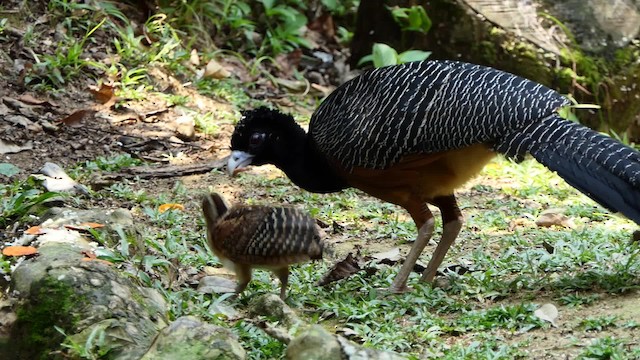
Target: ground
x,y
505,266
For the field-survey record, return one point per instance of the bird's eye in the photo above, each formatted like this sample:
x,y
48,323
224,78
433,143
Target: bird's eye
x,y
256,139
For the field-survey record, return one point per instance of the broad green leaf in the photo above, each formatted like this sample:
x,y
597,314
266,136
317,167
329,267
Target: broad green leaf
x,y
331,5
268,4
384,55
7,169
365,59
413,55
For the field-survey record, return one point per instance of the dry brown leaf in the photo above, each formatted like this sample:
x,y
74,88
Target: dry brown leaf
x,y
164,207
341,270
34,230
215,70
554,217
75,118
84,226
19,250
104,94
92,225
324,24
31,100
89,254
194,58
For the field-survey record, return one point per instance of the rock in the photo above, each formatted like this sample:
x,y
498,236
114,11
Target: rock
x,y
7,319
316,343
112,218
271,305
185,127
87,299
216,285
189,338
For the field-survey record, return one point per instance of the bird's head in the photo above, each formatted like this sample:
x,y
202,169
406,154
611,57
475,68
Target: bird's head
x,y
261,137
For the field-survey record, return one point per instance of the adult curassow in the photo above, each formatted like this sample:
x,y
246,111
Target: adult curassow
x,y
411,134
246,237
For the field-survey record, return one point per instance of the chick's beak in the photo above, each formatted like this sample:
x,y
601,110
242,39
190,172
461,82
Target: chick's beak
x,y
237,161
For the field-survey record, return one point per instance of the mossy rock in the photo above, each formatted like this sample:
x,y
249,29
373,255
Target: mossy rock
x,y
67,299
51,305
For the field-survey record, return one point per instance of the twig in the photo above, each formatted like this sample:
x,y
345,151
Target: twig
x,y
146,172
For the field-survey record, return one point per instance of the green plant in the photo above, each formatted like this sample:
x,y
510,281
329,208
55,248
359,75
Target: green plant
x,y
283,28
604,348
225,22
578,300
19,199
66,62
341,7
385,55
94,347
413,18
107,164
598,323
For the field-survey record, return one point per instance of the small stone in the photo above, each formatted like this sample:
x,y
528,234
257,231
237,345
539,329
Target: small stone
x,y
95,282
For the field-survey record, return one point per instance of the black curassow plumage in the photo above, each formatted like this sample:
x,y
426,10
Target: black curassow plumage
x,y
245,237
411,134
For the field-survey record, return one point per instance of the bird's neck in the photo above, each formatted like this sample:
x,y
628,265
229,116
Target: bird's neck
x,y
307,167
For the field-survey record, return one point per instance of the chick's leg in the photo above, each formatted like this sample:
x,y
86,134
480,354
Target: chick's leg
x,y
452,223
283,275
243,277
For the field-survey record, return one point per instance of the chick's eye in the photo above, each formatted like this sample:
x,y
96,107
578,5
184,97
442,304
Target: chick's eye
x,y
256,139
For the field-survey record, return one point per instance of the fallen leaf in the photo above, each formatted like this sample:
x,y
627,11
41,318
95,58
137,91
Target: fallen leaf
x,y
554,217
89,254
164,207
19,250
215,70
92,225
341,270
104,94
324,24
8,169
23,121
547,312
391,255
29,99
550,249
520,222
8,147
75,118
84,226
34,230
194,58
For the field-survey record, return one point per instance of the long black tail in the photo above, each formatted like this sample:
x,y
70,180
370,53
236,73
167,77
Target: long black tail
x,y
602,168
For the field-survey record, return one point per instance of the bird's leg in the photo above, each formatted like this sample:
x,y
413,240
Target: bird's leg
x,y
243,276
283,275
425,222
452,222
